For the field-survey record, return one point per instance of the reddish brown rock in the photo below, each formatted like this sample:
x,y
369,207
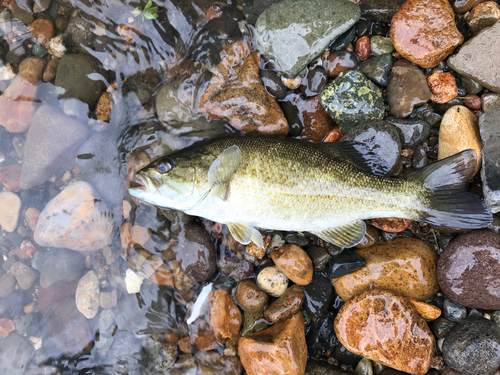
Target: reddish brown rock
x,y
250,297
391,224
317,123
424,31
363,47
32,215
334,136
258,252
185,345
294,263
286,306
386,328
205,340
292,83
472,101
10,177
43,30
340,61
236,93
443,87
225,317
462,6
278,350
483,15
104,107
162,276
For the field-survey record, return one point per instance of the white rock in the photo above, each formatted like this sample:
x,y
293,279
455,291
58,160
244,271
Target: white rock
x,y
10,205
87,295
133,282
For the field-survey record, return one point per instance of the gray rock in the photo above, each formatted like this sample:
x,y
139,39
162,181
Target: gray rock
x,y
323,368
162,355
61,268
24,275
377,69
50,144
419,159
490,101
471,86
441,327
473,347
413,131
80,31
15,352
453,311
479,58
489,127
380,45
343,41
7,284
292,33
41,6
380,10
22,322
380,137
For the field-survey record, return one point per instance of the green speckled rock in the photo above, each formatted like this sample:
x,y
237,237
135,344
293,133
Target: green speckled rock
x,y
292,33
352,98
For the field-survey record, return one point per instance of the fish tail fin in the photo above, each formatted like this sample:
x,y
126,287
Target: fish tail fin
x,y
450,203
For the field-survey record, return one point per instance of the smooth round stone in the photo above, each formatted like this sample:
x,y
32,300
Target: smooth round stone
x,y
364,367
286,306
379,10
316,79
272,281
441,327
340,61
273,84
39,50
346,357
453,311
472,87
87,295
7,284
319,257
473,347
225,317
380,137
342,41
319,294
468,270
419,159
250,297
490,101
377,69
380,45
413,131
344,263
25,276
483,15
294,263
9,214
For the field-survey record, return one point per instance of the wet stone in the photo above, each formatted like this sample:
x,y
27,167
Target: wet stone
x,y
24,275
345,263
363,47
343,40
250,297
273,84
253,322
319,294
453,311
316,122
471,86
490,101
61,268
285,306
272,281
381,45
483,15
413,131
426,113
377,69
319,257
225,317
340,61
321,336
291,45
370,238
463,6
441,327
443,87
364,367
419,159
472,101
380,10
161,355
316,79
294,263
490,172
15,352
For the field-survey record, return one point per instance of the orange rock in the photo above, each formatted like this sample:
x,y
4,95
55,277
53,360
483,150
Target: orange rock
x,y
236,93
443,87
391,224
10,177
250,297
424,31
386,328
483,15
162,276
6,327
426,311
104,107
292,83
205,340
278,350
43,30
334,136
185,345
294,263
317,123
363,47
258,252
51,70
462,6
472,101
286,306
405,265
225,317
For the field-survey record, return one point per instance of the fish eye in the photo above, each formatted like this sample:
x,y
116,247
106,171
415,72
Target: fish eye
x,y
163,167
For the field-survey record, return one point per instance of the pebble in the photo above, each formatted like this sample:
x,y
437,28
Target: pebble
x,y
334,136
319,295
250,297
471,86
15,352
453,311
87,295
50,71
253,322
459,131
443,87
6,327
133,282
380,10
479,58
292,83
363,47
364,367
56,46
380,45
489,127
61,268
362,327
419,159
427,311
468,270
104,107
316,79
225,317
407,88
472,101
280,349
405,265
340,61
463,6
413,131
294,263
272,281
212,363
75,219
424,31
343,40
490,101
285,306
441,327
473,347
237,76
352,98
10,177
377,69
319,257
290,45
344,263
7,284
391,224
161,355
273,84
24,275
41,6
483,15
9,215
315,121
43,30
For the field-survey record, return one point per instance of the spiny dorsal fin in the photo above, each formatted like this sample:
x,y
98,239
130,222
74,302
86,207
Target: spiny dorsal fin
x,y
245,234
222,169
347,235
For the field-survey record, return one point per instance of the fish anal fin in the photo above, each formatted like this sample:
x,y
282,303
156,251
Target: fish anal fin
x,y
244,234
222,169
347,235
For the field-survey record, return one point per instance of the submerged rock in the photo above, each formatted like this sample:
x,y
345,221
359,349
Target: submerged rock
x,y
15,352
9,215
489,127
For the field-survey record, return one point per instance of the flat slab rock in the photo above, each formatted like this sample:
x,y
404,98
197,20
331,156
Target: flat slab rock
x,y
489,128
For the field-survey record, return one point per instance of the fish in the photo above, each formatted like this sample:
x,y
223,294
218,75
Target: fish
x,y
252,182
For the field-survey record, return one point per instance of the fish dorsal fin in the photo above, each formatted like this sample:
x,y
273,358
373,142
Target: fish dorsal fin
x,y
245,234
360,155
222,169
347,235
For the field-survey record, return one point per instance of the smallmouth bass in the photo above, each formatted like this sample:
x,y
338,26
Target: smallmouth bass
x,y
327,189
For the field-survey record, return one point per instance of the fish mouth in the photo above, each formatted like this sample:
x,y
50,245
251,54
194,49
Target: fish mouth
x,y
143,182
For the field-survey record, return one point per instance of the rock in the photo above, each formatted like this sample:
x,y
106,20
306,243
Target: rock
x,y
253,322
472,101
377,69
272,281
459,131
73,73
413,130
483,15
370,238
443,87
75,219
319,257
453,311
6,327
316,79
133,282
419,161
407,88
468,269
479,58
225,317
381,138
294,263
364,367
50,144
441,327
195,251
424,31
87,295
10,177
340,61
56,46
286,306
238,269
463,6
104,106
490,172
15,352
405,265
345,263
80,30
316,122
473,347
237,76
380,45
380,10
41,5
273,84
68,328
363,47
161,355
24,275
212,363
471,86
352,98
361,326
7,284
42,30
292,83
292,47
280,349
425,310
490,101
250,297
61,268
9,215
391,224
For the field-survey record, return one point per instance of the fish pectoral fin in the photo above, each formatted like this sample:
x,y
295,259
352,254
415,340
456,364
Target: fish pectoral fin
x,y
222,169
245,234
347,235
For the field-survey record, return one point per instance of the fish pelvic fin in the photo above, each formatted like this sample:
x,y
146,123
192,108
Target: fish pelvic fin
x,y
450,204
221,171
347,235
245,234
